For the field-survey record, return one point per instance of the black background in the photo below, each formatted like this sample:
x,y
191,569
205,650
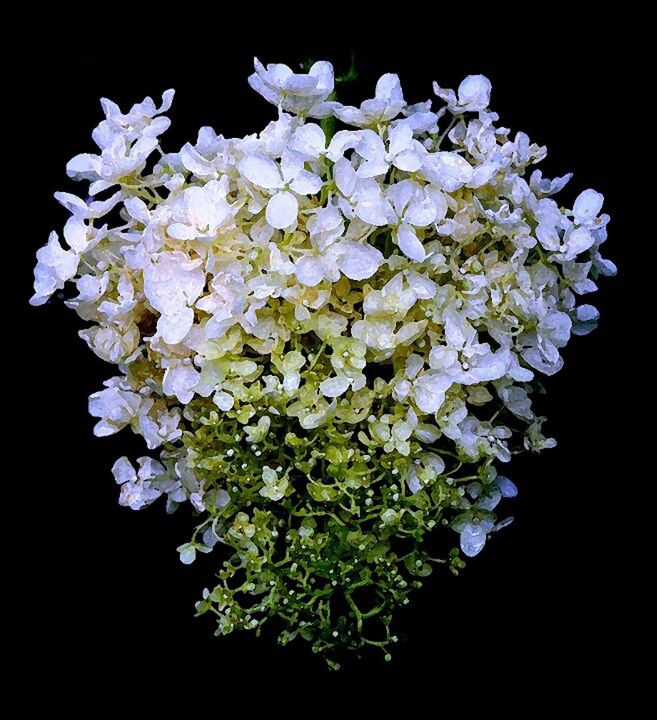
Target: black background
x,y
105,582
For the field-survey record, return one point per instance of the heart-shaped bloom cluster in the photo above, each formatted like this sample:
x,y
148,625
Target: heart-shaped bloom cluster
x,y
329,331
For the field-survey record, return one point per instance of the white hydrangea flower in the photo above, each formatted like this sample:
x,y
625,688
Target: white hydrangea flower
x,y
54,267
300,315
587,207
465,360
202,211
542,345
115,408
274,487
473,94
172,283
423,473
447,170
282,182
125,142
301,94
429,391
415,207
474,535
137,490
387,103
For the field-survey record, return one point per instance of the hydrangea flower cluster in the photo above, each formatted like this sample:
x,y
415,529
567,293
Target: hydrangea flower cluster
x,y
329,332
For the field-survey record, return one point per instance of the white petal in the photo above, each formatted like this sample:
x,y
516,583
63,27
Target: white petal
x,y
370,205
408,161
261,171
507,487
578,241
448,170
306,183
426,209
187,554
414,364
388,87
399,137
180,381
196,163
123,471
137,209
174,326
167,99
63,263
73,203
309,140
75,234
173,281
350,115
547,235
373,168
413,481
309,271
223,400
370,146
323,72
473,539
282,210
99,208
342,141
300,85
436,463
335,386
401,193
180,231
606,267
423,287
430,392
345,176
409,244
449,96
84,167
257,83
587,206
358,261
587,313
474,92
483,173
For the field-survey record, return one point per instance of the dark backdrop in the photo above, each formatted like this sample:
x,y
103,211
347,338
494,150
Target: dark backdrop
x,y
106,582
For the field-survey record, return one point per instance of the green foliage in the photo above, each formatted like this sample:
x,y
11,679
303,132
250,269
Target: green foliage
x,y
339,549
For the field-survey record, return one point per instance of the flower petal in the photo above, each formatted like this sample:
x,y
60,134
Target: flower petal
x,y
335,386
474,92
358,261
409,244
587,206
282,210
309,271
261,171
